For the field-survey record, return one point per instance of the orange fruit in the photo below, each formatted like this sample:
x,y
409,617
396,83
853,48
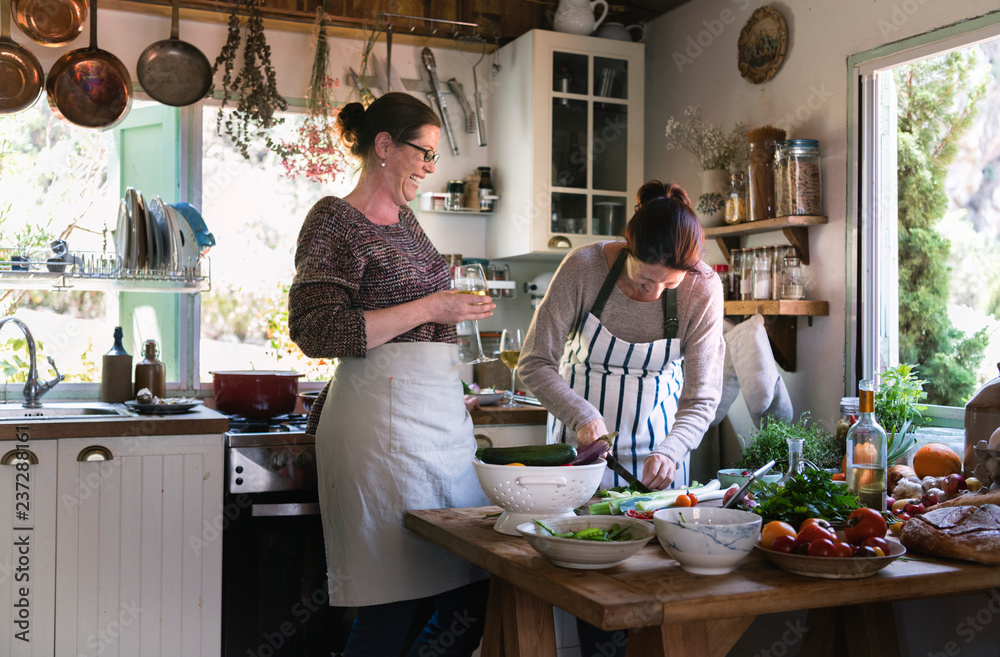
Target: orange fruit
x,y
865,453
936,460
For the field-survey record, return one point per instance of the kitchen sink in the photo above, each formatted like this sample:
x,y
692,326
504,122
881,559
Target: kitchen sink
x,y
61,411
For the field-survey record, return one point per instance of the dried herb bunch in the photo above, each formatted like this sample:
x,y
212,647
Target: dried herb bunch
x,y
315,150
254,84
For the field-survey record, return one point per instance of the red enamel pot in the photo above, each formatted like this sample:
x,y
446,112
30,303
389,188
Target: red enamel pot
x,y
255,393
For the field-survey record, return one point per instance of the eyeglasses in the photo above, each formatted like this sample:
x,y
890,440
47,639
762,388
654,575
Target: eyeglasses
x,y
429,155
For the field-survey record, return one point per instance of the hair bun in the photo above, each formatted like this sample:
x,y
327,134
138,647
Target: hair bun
x,y
676,192
349,120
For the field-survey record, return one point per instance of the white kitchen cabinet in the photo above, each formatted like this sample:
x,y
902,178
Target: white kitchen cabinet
x,y
27,547
139,548
565,132
512,435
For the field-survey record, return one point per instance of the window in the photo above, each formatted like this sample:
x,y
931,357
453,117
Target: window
x,y
926,212
57,180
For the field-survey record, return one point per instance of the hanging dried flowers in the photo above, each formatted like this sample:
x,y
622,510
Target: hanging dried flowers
x,y
315,150
254,85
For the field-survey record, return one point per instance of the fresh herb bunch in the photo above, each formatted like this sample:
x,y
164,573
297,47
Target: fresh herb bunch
x,y
811,494
770,442
705,141
254,85
897,407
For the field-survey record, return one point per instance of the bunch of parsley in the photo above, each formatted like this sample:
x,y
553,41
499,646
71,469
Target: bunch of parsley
x,y
811,494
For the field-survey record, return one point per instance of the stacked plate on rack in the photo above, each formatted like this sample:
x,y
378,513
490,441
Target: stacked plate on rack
x,y
159,238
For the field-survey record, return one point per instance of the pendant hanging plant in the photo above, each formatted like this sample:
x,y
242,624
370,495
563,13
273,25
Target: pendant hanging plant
x,y
315,151
254,84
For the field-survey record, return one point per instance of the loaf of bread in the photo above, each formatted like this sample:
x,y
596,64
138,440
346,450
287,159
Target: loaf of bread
x,y
971,533
972,499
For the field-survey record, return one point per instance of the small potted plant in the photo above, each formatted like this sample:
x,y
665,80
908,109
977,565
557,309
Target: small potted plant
x,y
770,442
898,409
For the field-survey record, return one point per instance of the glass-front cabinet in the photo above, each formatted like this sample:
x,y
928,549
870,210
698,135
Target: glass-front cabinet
x,y
565,132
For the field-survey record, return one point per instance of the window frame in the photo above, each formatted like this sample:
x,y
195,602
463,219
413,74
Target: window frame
x,y
870,346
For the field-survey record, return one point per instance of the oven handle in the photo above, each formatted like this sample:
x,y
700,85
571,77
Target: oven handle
x,y
292,509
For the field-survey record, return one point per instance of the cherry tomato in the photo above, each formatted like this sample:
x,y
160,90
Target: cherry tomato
x,y
811,533
863,523
844,549
879,543
682,500
864,551
774,529
914,509
694,500
783,543
822,522
902,517
822,547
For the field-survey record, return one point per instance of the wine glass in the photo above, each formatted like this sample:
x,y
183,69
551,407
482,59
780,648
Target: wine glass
x,y
470,279
510,353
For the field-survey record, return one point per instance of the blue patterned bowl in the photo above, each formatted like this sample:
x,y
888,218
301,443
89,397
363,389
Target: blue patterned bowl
x,y
707,540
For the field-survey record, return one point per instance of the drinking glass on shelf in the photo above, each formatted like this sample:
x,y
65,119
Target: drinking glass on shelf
x,y
470,279
510,353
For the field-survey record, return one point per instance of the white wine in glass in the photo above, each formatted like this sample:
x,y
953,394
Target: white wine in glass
x,y
470,279
510,354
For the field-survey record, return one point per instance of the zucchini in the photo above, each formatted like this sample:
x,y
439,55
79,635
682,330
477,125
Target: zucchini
x,y
554,454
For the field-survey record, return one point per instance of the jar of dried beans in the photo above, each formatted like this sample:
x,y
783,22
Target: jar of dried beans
x,y
797,178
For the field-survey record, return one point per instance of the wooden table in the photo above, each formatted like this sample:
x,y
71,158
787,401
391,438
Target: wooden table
x,y
672,612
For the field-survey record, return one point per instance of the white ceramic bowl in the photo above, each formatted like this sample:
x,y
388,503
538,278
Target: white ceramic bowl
x,y
583,554
729,476
487,398
707,540
537,492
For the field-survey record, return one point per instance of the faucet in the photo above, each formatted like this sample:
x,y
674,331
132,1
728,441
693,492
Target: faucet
x,y
33,389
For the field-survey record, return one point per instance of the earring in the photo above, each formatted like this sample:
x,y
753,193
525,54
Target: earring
x,y
383,163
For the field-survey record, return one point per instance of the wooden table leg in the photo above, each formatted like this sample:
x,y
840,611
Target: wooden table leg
x,y
493,630
695,639
518,624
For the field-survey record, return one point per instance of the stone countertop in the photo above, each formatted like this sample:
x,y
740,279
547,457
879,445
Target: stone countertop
x,y
498,415
200,420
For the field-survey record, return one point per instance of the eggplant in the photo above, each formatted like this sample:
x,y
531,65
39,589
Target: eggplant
x,y
595,450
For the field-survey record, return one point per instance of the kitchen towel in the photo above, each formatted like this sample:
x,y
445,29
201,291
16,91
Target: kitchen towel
x,y
750,368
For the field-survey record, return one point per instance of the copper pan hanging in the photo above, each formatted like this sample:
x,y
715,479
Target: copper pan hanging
x,y
90,87
51,23
21,74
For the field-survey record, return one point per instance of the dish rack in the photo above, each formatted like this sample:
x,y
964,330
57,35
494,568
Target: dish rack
x,y
100,271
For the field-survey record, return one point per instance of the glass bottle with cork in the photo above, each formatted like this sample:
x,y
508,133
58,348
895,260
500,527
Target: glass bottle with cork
x,y
150,373
866,452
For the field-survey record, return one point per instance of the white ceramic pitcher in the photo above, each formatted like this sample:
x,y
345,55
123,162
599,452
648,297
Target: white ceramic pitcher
x,y
619,32
577,16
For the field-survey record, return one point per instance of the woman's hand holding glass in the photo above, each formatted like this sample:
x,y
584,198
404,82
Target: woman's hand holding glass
x,y
470,279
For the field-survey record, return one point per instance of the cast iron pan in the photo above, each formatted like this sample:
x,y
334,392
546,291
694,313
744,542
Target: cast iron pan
x,y
51,23
172,71
90,87
21,74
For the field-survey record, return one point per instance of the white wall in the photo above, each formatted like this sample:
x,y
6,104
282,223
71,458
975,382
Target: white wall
x,y
691,59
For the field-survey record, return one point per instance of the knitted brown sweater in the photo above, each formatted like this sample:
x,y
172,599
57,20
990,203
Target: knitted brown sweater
x,y
345,265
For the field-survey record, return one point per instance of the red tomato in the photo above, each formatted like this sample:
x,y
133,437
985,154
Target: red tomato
x,y
876,542
694,500
811,533
783,543
863,523
822,547
844,549
914,509
822,522
902,517
682,500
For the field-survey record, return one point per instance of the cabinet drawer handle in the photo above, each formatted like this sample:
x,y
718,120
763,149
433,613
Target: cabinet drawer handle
x,y
95,453
15,455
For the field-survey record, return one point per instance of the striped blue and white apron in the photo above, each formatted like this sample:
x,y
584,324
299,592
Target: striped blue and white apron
x,y
634,386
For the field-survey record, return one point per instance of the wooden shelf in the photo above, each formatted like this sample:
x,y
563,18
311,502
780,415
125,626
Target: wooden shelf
x,y
783,307
795,229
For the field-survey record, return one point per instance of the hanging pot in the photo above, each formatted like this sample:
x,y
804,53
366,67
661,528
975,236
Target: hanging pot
x,y
50,23
172,71
90,87
21,74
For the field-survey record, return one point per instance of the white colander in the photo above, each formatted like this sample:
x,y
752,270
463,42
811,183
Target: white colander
x,y
526,493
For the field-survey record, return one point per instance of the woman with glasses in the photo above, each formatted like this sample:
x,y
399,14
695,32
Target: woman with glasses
x,y
605,348
392,429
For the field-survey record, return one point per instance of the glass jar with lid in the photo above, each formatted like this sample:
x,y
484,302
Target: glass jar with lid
x,y
793,284
736,202
797,187
762,274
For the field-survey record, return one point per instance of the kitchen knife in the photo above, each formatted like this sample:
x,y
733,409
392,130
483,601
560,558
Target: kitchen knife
x,y
622,472
741,493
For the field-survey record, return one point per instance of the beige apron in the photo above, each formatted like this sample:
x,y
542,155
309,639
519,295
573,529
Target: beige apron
x,y
394,435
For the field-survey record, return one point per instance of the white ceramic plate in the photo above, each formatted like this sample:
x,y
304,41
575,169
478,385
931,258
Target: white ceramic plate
x,y
173,263
139,255
189,251
487,398
159,228
123,234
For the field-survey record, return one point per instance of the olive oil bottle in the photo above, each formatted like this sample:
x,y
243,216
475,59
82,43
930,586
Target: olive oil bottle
x,y
866,452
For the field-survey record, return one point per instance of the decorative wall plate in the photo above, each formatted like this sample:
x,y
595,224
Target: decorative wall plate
x,y
762,44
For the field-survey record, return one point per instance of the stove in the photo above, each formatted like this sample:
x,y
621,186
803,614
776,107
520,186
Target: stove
x,y
274,575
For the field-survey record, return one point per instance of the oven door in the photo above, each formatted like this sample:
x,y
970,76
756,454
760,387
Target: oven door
x,y
275,595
